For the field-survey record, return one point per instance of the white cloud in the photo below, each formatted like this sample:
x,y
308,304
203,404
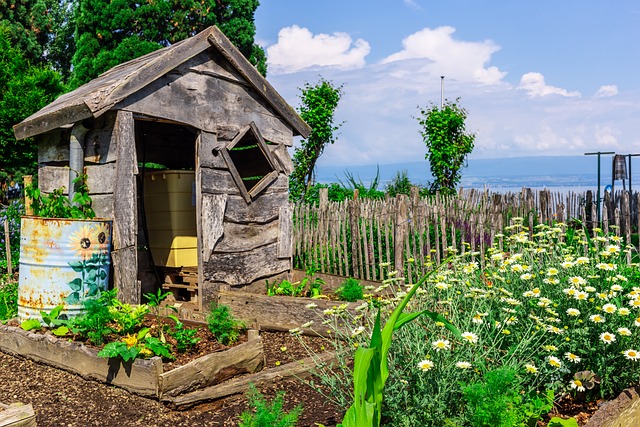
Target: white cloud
x,y
299,49
455,59
606,91
534,85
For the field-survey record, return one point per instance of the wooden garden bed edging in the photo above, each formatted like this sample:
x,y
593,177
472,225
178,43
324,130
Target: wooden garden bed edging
x,y
17,415
142,377
297,369
278,313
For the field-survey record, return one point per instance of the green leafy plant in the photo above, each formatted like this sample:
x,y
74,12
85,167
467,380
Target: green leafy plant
x,y
133,346
371,370
497,401
154,301
560,422
96,322
31,324
57,205
126,316
185,337
350,290
448,143
265,414
8,298
224,327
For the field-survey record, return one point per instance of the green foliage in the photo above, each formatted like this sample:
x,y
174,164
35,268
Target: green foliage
x,y
127,317
319,103
133,346
31,324
57,205
8,298
185,337
111,32
370,365
24,89
265,414
497,401
224,327
350,290
401,184
155,300
309,286
448,143
11,213
53,317
95,323
559,422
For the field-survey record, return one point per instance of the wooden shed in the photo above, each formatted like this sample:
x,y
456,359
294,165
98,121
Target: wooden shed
x,y
198,106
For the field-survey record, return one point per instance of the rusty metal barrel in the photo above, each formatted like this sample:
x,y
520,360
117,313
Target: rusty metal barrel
x,y
62,261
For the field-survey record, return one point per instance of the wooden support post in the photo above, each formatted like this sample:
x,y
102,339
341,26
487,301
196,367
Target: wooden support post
x,y
28,182
400,233
7,246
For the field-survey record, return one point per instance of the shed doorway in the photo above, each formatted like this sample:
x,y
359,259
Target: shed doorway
x,y
166,198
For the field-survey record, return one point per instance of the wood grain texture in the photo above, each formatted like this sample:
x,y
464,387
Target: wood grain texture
x,y
265,208
212,219
285,235
246,237
101,179
245,358
125,274
245,267
209,151
299,369
125,227
18,415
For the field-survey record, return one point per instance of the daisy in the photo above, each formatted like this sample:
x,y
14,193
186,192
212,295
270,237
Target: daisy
x,y
580,296
441,345
582,260
624,311
635,303
577,385
552,272
637,321
470,337
625,332
554,361
555,330
607,337
572,357
609,308
357,331
425,365
531,368
550,348
616,288
577,281
596,318
573,312
463,365
631,354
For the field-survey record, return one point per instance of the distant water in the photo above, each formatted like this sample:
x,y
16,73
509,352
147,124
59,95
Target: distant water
x,y
558,174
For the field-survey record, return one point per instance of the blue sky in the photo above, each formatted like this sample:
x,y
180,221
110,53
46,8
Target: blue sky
x,y
537,77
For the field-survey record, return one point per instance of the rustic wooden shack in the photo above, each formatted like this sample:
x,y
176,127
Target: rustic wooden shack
x,y
197,105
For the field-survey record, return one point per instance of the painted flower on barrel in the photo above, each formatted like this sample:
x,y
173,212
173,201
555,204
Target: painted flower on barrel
x,y
102,232
84,241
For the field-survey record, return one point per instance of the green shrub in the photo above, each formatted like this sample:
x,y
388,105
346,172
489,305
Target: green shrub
x,y
224,327
8,298
351,290
265,414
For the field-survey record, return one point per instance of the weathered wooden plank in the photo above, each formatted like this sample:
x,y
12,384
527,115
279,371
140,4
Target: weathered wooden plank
x,y
214,368
53,146
245,267
246,237
280,153
285,236
298,369
209,151
140,377
125,227
211,218
207,103
264,208
277,313
262,86
100,178
400,234
37,124
18,415
103,205
125,274
216,181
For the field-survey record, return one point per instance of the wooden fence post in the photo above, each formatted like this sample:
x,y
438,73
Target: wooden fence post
x,y
28,181
7,246
400,233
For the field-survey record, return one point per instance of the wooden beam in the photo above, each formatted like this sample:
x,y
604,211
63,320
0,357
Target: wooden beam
x,y
125,226
42,122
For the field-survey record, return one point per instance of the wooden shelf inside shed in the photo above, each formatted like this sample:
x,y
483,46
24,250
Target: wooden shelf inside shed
x,y
181,278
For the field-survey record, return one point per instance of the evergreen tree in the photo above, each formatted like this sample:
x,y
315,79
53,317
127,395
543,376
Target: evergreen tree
x,y
109,32
24,89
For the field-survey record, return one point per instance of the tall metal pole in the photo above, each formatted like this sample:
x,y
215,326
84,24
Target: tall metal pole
x,y
598,196
441,92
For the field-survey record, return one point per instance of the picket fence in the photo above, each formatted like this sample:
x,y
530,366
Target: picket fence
x,y
355,237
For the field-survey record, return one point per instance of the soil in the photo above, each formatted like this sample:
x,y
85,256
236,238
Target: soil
x,y
63,399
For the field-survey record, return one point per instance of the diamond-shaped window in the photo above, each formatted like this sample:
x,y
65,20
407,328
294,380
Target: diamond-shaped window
x,y
250,162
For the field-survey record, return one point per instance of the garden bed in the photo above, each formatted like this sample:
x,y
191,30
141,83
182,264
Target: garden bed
x,y
142,377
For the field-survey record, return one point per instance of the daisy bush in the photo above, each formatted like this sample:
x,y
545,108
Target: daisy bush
x,y
555,305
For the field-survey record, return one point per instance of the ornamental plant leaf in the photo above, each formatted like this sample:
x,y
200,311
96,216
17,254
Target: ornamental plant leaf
x,y
31,324
75,284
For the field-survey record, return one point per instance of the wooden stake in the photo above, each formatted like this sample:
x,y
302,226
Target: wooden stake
x,y
28,181
7,246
